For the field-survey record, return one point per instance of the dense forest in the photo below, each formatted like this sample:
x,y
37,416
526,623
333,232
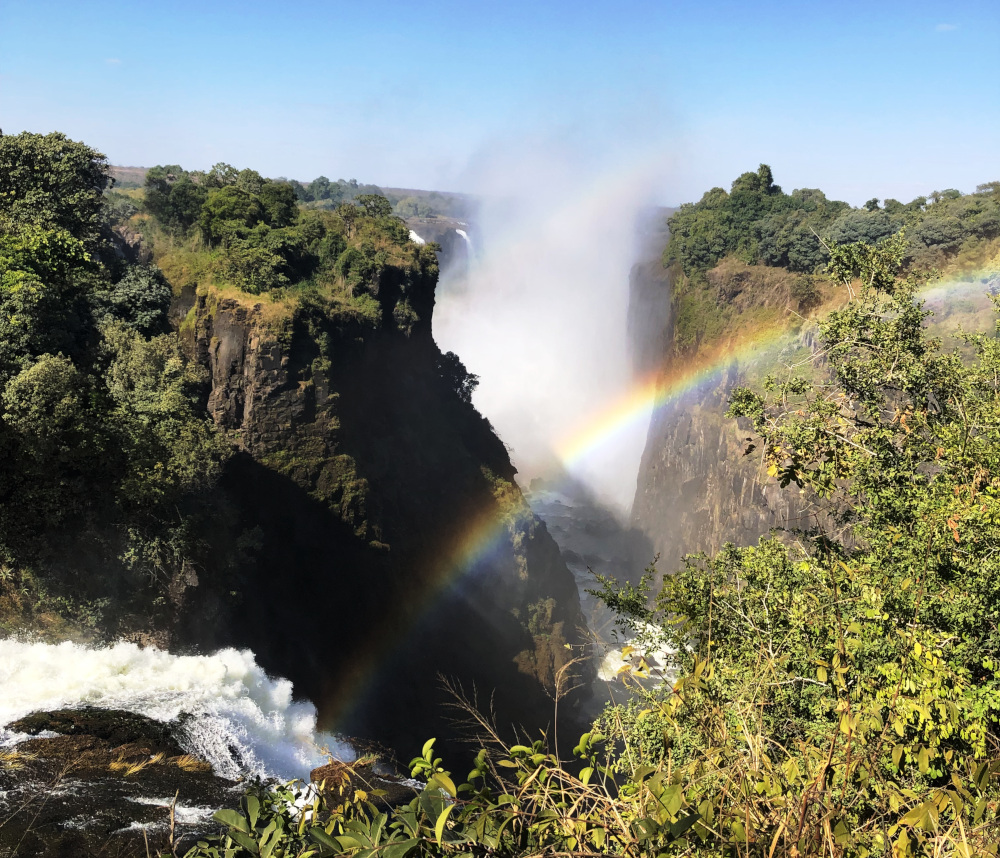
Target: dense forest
x,y
780,243
834,689
103,433
321,192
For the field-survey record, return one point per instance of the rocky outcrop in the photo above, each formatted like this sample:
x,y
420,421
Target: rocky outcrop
x,y
90,782
698,487
377,539
130,246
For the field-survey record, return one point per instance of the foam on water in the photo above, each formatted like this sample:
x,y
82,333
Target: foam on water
x,y
242,721
650,657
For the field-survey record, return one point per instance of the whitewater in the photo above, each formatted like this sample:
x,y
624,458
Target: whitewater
x,y
240,720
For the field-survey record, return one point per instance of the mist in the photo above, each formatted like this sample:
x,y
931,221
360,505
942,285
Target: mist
x,y
540,316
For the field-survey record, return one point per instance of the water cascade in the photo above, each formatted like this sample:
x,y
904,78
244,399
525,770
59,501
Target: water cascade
x,y
241,720
466,239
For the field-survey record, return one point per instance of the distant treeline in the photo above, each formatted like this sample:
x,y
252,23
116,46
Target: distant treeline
x,y
760,224
321,192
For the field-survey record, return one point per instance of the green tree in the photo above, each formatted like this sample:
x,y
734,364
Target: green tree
x,y
140,300
374,205
45,276
173,197
50,182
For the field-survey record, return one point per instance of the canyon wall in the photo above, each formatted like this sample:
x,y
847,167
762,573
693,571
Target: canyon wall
x,y
376,540
698,487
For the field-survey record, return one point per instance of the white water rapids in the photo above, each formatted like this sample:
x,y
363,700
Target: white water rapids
x,y
242,721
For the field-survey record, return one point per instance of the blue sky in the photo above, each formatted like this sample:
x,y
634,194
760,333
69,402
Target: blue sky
x,y
861,99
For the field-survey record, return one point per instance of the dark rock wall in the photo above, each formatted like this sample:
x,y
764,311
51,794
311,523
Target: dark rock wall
x,y
359,473
697,489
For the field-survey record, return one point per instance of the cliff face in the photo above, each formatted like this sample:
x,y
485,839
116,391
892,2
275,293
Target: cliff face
x,y
361,475
697,487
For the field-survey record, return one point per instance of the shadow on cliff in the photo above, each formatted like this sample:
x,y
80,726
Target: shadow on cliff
x,y
317,605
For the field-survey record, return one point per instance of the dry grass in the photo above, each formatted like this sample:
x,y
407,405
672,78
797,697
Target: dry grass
x,y
15,760
132,767
185,762
190,763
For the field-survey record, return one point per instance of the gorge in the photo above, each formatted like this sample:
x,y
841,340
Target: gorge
x,y
304,413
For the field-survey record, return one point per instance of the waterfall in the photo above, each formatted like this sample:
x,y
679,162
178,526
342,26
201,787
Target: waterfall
x,y
416,238
468,241
540,317
242,721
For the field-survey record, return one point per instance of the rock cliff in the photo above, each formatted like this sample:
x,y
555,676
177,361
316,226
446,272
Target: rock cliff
x,y
363,478
697,487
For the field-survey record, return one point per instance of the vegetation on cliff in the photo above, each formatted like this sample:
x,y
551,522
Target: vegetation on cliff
x,y
208,386
106,445
754,251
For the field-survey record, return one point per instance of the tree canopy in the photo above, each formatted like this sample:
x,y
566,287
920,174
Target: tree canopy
x,y
102,426
759,223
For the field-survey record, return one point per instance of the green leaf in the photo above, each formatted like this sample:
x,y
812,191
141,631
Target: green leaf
x,y
232,819
673,799
680,828
319,836
446,783
401,849
245,841
253,810
923,760
585,774
425,753
441,822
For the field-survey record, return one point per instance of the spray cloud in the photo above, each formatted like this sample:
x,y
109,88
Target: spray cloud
x,y
540,316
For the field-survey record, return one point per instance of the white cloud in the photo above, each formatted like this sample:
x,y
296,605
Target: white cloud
x,y
112,61
944,28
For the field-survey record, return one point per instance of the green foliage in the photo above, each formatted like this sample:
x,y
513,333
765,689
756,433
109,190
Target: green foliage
x,y
174,197
323,193
863,225
838,690
52,184
433,204
102,421
140,300
520,801
757,222
45,276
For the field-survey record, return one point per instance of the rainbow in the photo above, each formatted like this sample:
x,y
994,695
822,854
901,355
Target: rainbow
x,y
659,390
650,395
